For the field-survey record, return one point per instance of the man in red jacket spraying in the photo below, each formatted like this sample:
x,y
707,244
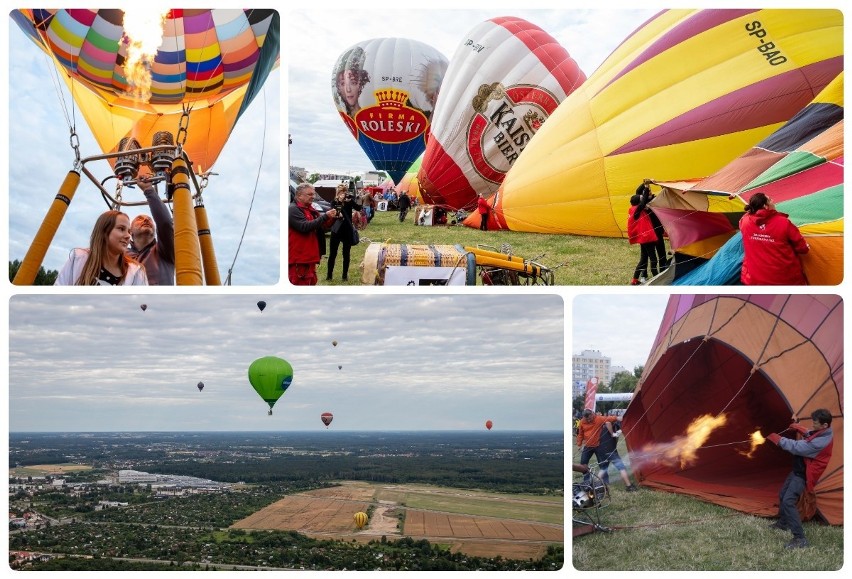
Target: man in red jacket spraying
x,y
810,458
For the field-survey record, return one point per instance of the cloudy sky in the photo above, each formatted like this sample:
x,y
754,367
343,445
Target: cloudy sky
x,y
40,156
321,142
85,363
621,326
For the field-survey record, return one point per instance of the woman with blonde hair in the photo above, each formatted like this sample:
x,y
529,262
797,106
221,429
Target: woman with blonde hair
x,y
105,261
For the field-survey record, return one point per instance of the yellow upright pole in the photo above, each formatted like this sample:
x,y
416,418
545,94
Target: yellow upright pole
x,y
208,255
187,252
41,242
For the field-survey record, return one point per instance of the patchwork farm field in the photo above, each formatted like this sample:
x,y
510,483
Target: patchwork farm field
x,y
477,523
48,469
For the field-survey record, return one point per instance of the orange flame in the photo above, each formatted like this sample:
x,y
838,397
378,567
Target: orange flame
x,y
143,32
683,449
756,440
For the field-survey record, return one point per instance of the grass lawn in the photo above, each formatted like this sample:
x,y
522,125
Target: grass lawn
x,y
575,260
656,531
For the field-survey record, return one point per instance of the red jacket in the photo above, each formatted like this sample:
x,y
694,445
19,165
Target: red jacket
x,y
640,230
305,235
770,245
482,205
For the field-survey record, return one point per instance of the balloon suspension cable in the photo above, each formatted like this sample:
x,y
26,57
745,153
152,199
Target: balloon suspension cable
x,y
253,194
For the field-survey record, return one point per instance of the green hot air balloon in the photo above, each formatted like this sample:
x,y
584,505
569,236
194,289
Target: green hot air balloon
x,y
270,377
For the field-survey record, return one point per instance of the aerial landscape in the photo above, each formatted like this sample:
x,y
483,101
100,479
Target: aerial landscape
x,y
380,445
201,499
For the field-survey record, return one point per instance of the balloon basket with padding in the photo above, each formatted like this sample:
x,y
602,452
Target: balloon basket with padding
x,y
418,265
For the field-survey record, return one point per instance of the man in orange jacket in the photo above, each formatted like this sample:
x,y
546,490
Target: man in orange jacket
x,y
589,436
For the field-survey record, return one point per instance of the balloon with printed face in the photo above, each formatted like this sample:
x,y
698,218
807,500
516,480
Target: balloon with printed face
x,y
505,79
215,60
270,376
326,418
681,97
385,91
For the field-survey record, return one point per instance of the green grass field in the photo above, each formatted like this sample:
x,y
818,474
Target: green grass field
x,y
656,531
575,260
538,509
43,469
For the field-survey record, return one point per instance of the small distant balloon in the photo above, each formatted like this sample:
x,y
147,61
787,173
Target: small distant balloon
x,y
361,519
144,307
261,305
326,418
488,424
340,367
334,343
200,386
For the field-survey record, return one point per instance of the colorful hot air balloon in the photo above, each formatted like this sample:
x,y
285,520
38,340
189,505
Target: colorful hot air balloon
x,y
757,360
270,377
799,166
143,307
678,99
326,418
488,424
200,386
385,90
261,305
217,60
361,519
505,79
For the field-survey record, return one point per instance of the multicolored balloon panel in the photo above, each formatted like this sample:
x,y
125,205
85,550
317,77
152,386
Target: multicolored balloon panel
x,y
326,418
799,166
216,59
360,519
505,79
678,99
385,91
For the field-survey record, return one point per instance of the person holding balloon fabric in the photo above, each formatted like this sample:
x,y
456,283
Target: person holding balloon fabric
x,y
640,230
771,245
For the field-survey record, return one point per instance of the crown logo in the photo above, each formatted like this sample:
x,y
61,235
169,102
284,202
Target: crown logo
x,y
391,97
533,120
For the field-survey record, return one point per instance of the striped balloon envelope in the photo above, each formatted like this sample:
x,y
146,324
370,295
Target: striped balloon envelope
x,y
755,363
682,96
799,166
505,79
215,60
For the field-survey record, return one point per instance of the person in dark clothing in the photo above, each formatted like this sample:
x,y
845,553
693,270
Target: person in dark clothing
x,y
342,231
154,247
404,204
609,447
811,455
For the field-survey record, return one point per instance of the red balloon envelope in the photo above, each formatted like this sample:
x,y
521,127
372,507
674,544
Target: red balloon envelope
x,y
488,424
326,418
505,79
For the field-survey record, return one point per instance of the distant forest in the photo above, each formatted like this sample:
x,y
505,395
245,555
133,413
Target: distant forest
x,y
517,462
